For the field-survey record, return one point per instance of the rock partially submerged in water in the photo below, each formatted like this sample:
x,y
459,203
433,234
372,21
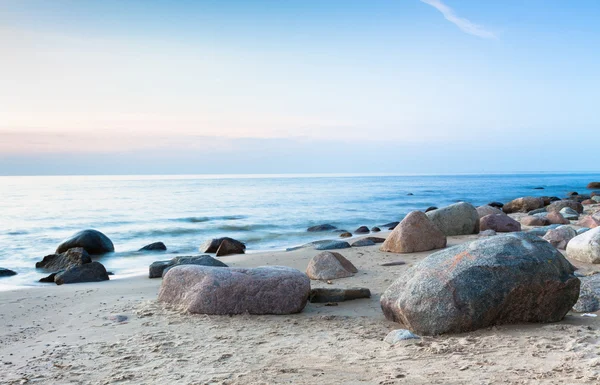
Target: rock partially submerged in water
x,y
212,290
415,233
73,257
593,185
6,272
523,205
318,228
585,247
229,247
504,279
362,230
324,295
457,219
93,241
89,272
159,268
156,246
330,265
213,245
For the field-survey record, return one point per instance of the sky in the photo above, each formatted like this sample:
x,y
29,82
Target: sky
x,y
272,86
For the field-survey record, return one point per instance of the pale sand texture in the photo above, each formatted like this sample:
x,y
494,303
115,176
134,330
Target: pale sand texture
x,y
61,335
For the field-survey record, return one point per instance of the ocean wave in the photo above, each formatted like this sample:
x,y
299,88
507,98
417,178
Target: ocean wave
x,y
253,227
169,232
208,219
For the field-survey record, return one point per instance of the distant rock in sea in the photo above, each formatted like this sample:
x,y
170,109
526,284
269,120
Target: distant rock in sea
x,y
6,272
156,246
318,228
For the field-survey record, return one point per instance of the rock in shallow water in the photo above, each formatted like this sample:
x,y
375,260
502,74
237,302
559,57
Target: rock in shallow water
x,y
330,265
93,241
73,257
156,246
318,228
212,245
230,247
415,233
212,290
362,230
504,279
6,272
89,272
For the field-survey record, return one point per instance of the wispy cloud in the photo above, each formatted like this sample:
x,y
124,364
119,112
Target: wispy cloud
x,y
464,24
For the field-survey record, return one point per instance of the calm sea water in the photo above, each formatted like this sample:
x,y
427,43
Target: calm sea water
x,y
267,212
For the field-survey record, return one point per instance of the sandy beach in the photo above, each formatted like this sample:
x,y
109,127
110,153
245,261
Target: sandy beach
x,y
75,334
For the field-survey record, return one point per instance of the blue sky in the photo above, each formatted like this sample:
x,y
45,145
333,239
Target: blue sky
x,y
406,86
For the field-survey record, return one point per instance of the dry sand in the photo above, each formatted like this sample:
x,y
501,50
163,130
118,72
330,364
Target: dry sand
x,y
69,335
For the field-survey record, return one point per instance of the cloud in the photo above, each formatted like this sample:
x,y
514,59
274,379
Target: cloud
x,y
462,23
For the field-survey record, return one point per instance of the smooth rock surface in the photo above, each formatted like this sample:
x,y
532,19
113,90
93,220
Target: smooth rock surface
x,y
585,247
415,233
559,205
158,268
523,205
6,272
532,220
560,236
363,242
457,219
93,241
500,223
556,218
332,245
509,278
89,272
156,246
213,290
362,230
330,265
487,210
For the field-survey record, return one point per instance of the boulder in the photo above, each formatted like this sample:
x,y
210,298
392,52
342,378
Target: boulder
x,y
500,223
332,245
6,272
318,228
457,219
415,233
523,205
376,239
487,210
572,193
156,246
560,236
585,247
73,257
391,225
509,278
569,214
588,202
213,290
345,235
324,295
538,211
93,241
363,242
89,272
496,204
230,246
330,265
556,218
589,295
591,221
158,268
375,229
593,185
541,231
362,230
212,245
430,208
532,220
559,205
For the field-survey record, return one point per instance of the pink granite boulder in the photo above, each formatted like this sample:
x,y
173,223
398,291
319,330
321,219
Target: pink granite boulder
x,y
500,223
534,220
556,218
217,290
330,265
560,236
523,205
415,233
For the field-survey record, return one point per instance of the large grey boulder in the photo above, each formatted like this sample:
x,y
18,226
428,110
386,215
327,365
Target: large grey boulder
x,y
585,247
213,290
457,219
93,241
523,205
73,257
330,265
415,233
89,272
504,279
158,268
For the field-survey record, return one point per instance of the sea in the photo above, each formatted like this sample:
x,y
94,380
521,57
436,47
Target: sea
x,y
267,212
